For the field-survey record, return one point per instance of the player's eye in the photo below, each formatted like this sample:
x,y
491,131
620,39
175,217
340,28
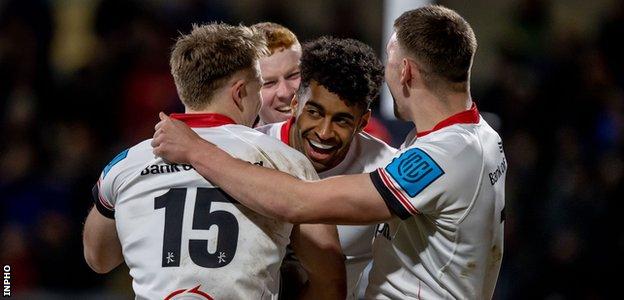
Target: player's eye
x,y
343,122
314,113
268,84
294,75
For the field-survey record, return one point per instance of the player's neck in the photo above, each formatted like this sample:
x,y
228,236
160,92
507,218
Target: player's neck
x,y
430,109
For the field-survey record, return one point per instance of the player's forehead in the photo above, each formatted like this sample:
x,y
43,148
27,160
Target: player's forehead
x,y
280,63
320,97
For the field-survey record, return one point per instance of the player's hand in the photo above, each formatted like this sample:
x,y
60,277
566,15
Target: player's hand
x,y
173,140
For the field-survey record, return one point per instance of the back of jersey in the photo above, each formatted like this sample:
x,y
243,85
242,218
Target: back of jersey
x,y
183,237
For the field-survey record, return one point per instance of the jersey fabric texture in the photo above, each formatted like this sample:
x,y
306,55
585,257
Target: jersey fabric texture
x,y
183,237
447,188
366,153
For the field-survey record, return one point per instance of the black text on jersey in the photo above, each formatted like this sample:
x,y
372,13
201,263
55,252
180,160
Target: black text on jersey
x,y
166,168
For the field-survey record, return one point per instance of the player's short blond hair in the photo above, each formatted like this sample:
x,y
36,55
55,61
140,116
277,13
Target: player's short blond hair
x,y
278,37
203,60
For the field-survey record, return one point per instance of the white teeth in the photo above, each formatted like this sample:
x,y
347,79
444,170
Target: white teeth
x,y
283,109
319,145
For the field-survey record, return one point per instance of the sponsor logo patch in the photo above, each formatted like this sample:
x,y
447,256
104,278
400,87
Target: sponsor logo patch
x,y
414,170
115,160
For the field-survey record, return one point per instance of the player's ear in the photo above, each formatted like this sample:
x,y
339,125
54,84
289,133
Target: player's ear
x,y
364,120
239,93
406,72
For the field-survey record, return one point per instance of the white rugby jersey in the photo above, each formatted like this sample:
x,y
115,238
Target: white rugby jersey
x,y
181,236
448,188
366,153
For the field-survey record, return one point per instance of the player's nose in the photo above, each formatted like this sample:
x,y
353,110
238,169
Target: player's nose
x,y
284,92
325,130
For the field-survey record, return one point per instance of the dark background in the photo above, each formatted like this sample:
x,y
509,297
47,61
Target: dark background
x,y
82,80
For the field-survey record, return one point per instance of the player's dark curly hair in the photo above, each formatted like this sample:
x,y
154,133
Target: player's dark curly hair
x,y
346,67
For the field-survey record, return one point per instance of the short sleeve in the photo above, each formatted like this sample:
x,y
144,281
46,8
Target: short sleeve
x,y
103,190
410,182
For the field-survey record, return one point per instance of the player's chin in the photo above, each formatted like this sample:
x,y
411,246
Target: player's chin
x,y
318,166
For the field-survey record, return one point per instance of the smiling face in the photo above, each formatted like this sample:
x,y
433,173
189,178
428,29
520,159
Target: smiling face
x,y
281,76
325,126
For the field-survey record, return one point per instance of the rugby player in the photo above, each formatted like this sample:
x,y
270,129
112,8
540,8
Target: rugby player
x,y
182,236
442,196
339,80
280,72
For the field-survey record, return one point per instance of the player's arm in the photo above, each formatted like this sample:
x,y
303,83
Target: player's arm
x,y
351,199
320,254
102,249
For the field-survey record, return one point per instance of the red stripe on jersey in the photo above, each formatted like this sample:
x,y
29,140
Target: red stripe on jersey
x,y
404,201
465,117
397,194
203,120
174,293
103,201
285,131
196,290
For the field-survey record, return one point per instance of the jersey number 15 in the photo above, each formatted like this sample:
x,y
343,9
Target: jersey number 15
x,y
203,219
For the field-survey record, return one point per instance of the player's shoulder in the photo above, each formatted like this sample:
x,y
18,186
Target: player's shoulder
x,y
277,154
129,160
370,143
369,152
255,137
272,129
459,142
265,143
455,153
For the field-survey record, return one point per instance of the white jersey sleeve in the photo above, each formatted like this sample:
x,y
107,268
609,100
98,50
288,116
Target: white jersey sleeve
x,y
114,174
415,180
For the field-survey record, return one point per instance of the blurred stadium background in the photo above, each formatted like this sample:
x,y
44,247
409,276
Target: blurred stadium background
x,y
81,80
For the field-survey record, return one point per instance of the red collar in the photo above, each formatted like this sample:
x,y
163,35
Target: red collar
x,y
470,116
203,120
285,131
